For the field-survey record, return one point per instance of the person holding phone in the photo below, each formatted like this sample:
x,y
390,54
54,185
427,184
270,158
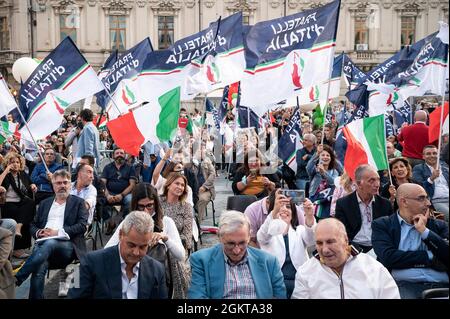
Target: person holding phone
x,y
283,236
249,180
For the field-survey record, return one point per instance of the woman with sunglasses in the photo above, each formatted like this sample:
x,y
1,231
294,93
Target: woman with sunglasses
x,y
145,199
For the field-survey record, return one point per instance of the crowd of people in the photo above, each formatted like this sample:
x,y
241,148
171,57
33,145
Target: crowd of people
x,y
382,235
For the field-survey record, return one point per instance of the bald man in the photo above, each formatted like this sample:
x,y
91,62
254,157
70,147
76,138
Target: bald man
x,y
414,137
411,245
339,271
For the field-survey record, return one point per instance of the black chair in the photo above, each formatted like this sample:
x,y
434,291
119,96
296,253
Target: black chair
x,y
213,212
240,202
435,293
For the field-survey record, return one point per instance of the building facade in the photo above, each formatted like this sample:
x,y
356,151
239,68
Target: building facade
x,y
369,31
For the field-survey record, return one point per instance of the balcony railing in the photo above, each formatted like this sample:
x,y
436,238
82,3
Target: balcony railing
x,y
8,57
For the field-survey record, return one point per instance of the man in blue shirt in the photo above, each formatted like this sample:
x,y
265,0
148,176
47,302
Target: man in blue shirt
x,y
411,245
119,178
42,178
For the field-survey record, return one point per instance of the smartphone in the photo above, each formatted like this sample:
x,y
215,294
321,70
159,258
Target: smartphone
x,y
297,195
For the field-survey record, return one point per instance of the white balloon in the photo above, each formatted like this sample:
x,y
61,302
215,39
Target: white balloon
x,y
23,68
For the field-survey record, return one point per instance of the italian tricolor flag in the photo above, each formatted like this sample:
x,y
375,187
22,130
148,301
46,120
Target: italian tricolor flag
x,y
151,122
7,129
366,144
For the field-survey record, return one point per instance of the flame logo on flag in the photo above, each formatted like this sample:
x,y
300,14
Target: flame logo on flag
x,y
314,93
60,104
128,96
297,70
212,71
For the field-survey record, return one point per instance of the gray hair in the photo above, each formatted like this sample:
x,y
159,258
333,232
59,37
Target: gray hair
x,y
231,221
62,173
311,137
360,170
142,222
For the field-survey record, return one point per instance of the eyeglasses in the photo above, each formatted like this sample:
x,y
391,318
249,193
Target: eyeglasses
x,y
231,245
61,183
149,206
420,198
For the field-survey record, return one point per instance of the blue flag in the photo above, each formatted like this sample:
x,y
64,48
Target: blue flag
x,y
209,106
296,51
120,71
291,141
403,114
352,74
102,97
245,121
388,71
61,79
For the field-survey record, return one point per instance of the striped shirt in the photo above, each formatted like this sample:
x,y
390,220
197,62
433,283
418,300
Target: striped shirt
x,y
238,280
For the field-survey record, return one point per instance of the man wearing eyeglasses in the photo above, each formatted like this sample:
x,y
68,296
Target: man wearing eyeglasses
x,y
41,177
232,269
413,246
58,228
434,179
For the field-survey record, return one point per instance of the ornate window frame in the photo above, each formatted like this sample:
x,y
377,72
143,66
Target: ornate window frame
x,y
166,8
117,8
64,7
248,8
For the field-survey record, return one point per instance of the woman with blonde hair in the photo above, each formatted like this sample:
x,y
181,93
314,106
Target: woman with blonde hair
x,y
174,205
19,203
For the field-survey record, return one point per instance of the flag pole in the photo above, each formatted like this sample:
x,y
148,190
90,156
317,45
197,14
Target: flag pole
x,y
328,94
441,120
385,151
34,141
28,129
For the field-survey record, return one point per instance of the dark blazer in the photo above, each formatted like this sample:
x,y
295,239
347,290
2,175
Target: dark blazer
x,y
75,221
386,238
347,211
421,172
24,180
101,277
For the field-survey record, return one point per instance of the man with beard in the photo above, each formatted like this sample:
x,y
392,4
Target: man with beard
x,y
119,178
58,228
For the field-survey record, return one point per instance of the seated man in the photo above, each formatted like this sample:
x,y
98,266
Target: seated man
x,y
63,216
231,269
434,179
411,245
119,178
124,271
358,209
339,271
42,178
84,189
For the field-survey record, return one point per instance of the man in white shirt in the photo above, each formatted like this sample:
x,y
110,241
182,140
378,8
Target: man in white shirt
x,y
124,271
339,271
58,228
84,189
434,179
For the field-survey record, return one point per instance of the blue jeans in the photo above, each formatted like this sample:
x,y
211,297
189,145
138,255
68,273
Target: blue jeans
x,y
59,252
